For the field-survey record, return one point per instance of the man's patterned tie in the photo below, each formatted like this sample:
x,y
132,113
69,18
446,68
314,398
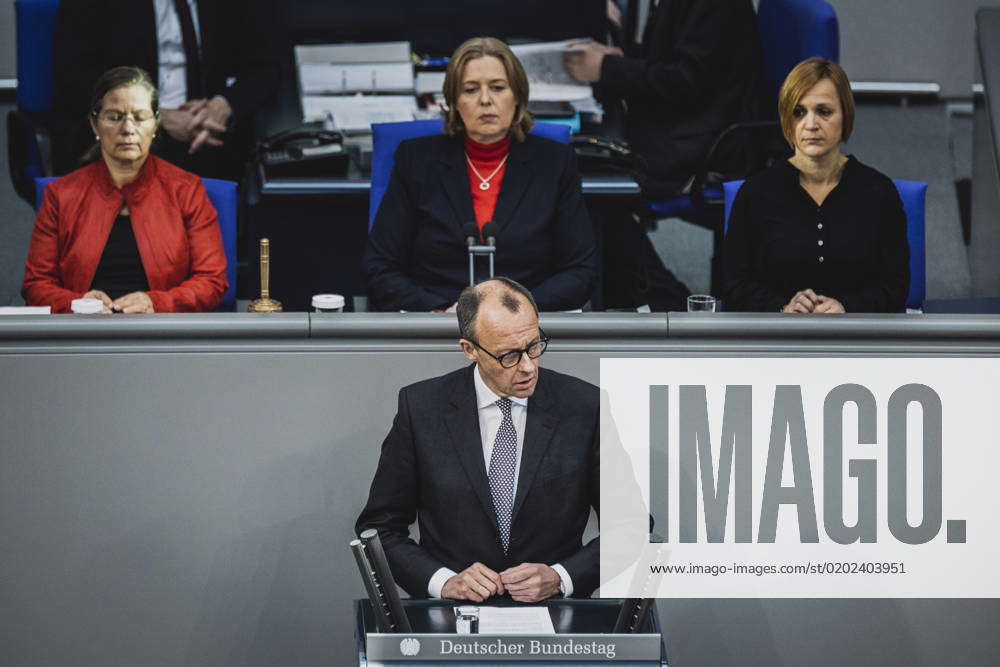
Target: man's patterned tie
x,y
501,473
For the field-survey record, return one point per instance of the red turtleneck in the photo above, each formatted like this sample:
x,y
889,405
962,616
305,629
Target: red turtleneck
x,y
485,158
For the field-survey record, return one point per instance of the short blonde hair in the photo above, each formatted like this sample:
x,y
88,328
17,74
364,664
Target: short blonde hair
x,y
480,47
804,76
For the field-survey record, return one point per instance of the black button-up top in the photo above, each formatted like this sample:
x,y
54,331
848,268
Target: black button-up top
x,y
852,247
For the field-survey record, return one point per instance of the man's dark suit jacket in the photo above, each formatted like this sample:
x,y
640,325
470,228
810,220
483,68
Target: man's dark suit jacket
x,y
432,470
697,71
416,257
238,39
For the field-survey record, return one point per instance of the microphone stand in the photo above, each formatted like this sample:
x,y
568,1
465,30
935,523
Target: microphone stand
x,y
475,249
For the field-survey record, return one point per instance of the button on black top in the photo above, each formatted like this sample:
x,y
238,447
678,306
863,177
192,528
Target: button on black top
x,y
775,230
120,270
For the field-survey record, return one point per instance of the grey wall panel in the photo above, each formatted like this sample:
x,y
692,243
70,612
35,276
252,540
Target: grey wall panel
x,y
910,41
187,511
8,33
985,152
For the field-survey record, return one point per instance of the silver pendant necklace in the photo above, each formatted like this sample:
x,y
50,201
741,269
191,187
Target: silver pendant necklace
x,y
484,183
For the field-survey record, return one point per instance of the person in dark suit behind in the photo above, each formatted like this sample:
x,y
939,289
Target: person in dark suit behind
x,y
214,62
498,462
820,232
486,167
693,70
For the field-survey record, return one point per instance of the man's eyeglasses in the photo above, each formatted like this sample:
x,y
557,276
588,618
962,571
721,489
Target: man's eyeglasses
x,y
112,117
513,357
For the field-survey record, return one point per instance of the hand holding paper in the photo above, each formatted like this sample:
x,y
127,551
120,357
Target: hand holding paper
x,y
583,60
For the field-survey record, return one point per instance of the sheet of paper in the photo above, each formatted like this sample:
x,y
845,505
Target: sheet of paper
x,y
515,621
356,113
532,48
547,76
540,91
25,310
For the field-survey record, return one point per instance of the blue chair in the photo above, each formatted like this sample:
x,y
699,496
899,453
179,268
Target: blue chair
x,y
913,194
386,138
224,198
790,31
28,146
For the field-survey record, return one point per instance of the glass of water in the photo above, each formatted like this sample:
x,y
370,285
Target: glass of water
x,y
467,620
701,303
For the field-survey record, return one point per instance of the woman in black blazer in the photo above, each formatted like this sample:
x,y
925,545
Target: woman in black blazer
x,y
486,167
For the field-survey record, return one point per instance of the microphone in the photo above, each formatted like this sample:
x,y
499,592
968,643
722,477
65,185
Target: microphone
x,y
490,235
471,233
379,584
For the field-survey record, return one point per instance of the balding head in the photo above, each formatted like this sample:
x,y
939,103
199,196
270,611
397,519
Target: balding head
x,y
510,294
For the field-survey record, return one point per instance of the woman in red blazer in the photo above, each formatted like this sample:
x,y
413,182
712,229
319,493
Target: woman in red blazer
x,y
129,229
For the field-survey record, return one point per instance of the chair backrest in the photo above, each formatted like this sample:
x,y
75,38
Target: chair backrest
x,y
791,31
223,196
36,22
386,138
914,195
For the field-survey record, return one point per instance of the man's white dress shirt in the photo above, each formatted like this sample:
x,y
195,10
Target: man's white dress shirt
x,y
172,60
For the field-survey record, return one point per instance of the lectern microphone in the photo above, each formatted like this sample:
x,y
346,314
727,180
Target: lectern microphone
x,y
633,615
378,581
382,619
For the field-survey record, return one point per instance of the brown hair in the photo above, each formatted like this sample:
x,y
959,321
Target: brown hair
x,y
480,47
804,76
113,79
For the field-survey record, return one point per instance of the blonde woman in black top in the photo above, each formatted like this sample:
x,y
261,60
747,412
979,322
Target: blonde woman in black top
x,y
820,233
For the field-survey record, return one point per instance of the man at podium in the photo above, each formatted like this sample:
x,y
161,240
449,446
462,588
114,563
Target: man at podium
x,y
497,462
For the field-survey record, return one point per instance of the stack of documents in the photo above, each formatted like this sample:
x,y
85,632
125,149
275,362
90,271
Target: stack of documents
x,y
356,113
326,69
333,79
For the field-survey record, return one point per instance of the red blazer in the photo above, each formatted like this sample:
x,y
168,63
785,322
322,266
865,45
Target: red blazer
x,y
175,228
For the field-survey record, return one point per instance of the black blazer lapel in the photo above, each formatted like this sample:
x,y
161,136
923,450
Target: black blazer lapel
x,y
462,420
516,179
455,181
538,431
